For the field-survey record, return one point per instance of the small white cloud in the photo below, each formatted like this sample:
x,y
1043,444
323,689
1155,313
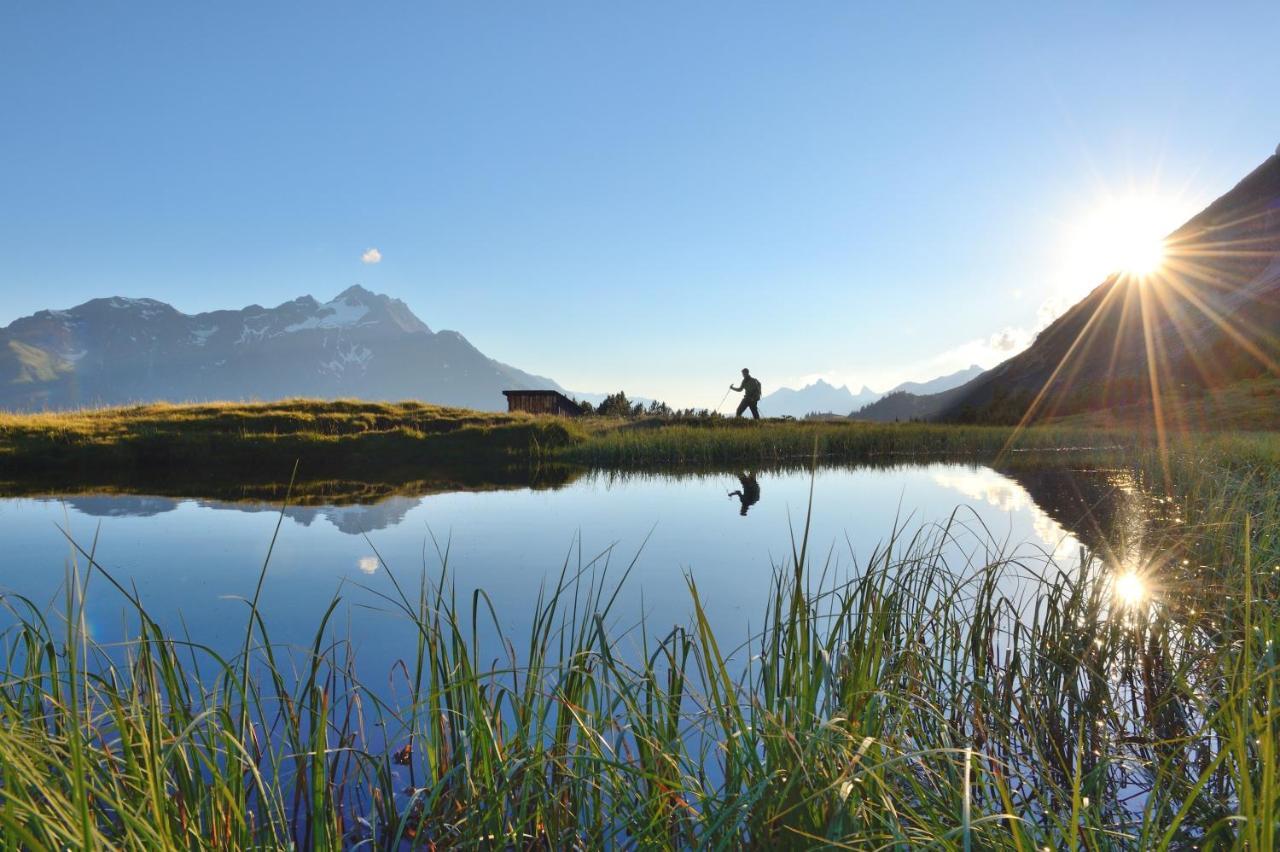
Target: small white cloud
x,y
1050,310
368,564
1009,339
371,256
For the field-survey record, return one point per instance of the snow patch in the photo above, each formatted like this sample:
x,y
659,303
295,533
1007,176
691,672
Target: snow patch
x,y
201,335
356,356
336,314
249,334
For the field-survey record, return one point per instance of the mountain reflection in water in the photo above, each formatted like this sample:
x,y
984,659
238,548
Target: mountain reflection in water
x,y
1102,509
356,519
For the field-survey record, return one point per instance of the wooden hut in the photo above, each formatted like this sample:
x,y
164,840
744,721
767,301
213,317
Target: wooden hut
x,y
541,402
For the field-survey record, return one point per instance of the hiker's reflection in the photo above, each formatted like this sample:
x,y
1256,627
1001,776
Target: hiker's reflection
x,y
749,494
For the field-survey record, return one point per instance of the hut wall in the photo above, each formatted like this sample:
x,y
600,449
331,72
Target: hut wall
x,y
540,403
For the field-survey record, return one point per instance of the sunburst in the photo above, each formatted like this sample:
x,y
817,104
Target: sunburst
x,y
1177,284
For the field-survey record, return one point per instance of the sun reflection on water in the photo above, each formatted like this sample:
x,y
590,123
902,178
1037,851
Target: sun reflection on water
x,y
1131,589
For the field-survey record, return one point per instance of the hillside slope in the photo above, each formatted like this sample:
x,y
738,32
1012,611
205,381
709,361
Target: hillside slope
x,y
917,400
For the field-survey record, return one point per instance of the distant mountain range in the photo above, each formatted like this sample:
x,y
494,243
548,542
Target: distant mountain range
x,y
941,384
1210,318
819,397
360,344
822,397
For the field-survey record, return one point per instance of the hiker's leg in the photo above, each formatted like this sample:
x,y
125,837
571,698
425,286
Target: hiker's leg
x,y
742,406
755,412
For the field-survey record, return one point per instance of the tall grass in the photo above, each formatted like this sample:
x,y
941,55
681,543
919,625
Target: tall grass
x,y
920,702
780,442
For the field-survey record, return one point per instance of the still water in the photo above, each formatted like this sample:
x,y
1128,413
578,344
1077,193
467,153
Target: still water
x,y
194,561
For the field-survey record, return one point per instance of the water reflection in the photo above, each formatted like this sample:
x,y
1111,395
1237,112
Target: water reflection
x,y
748,493
1130,590
120,506
356,519
193,558
1008,495
1103,509
1122,525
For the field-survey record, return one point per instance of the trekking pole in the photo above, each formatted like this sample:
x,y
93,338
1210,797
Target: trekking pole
x,y
722,399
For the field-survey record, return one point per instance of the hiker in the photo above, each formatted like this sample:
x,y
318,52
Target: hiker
x,y
750,394
749,495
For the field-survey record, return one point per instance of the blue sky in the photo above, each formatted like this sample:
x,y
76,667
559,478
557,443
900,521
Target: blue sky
x,y
645,196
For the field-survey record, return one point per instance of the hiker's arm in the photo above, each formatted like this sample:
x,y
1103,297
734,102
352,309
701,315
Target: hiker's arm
x,y
731,387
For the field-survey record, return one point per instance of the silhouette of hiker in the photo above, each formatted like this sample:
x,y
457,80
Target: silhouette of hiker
x,y
750,395
749,495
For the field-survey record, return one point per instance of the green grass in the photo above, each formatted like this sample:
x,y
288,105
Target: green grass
x,y
907,708
260,442
719,442
398,442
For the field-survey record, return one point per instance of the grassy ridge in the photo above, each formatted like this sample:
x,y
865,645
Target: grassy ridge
x,y
251,440
247,451
911,707
371,440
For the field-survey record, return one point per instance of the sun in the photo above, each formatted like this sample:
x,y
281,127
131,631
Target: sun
x,y
1122,235
1140,256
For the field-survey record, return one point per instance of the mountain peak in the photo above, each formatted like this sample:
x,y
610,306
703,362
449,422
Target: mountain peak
x,y
355,293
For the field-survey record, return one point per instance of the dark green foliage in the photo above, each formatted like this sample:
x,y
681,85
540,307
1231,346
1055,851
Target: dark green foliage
x,y
615,405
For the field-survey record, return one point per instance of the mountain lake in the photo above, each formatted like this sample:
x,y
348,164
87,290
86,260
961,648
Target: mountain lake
x,y
195,562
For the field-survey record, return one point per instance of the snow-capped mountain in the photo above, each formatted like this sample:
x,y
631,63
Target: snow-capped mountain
x,y
359,344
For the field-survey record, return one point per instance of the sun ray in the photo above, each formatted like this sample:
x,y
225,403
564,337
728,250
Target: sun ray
x,y
1067,382
1227,328
1180,320
1126,308
1035,403
1153,373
